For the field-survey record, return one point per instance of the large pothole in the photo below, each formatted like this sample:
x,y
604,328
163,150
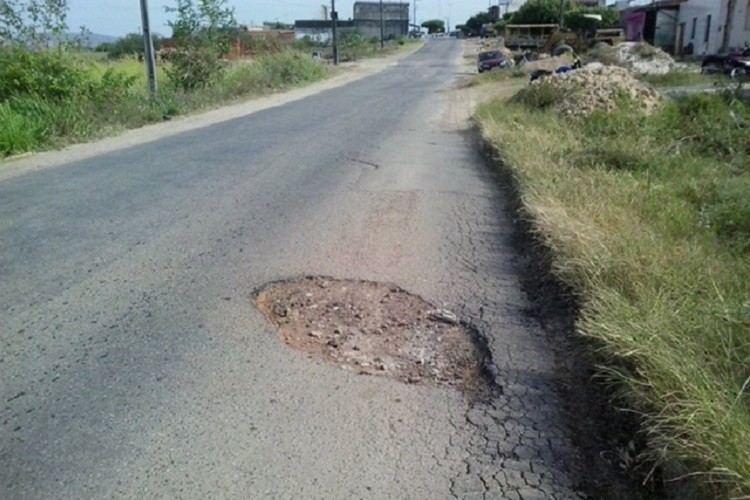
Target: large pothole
x,y
376,329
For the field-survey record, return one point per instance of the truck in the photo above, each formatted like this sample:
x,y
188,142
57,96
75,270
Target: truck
x,y
554,40
528,36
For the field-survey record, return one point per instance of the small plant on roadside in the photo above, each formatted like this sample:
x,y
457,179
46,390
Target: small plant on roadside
x,y
539,95
202,32
49,74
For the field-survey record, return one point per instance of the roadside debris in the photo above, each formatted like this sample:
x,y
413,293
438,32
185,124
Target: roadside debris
x,y
443,315
637,57
594,87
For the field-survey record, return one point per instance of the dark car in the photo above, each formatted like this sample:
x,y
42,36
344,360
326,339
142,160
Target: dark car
x,y
491,59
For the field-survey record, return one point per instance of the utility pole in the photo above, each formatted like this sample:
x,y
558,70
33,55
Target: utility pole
x,y
334,19
148,48
562,13
415,14
382,26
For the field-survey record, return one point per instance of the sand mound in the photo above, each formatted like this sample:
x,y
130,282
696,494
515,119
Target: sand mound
x,y
638,57
593,87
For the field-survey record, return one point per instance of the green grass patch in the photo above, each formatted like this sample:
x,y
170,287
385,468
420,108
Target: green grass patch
x,y
48,99
500,75
648,219
684,78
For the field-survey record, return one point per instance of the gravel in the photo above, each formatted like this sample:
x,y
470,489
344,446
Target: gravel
x,y
593,87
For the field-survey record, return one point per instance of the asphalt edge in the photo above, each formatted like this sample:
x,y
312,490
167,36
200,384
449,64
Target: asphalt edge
x,y
23,164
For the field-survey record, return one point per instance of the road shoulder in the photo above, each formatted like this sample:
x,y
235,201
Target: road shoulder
x,y
350,72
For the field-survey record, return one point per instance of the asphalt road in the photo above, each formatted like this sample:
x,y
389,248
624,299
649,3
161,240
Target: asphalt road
x,y
133,365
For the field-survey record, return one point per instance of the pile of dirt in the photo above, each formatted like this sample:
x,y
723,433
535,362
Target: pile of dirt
x,y
638,57
593,87
375,329
549,63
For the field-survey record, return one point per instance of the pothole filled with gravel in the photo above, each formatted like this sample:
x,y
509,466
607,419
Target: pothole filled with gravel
x,y
376,329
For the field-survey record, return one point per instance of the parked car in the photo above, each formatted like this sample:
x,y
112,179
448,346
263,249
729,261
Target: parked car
x,y
491,59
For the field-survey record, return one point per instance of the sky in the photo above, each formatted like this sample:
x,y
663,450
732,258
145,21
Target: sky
x,y
119,17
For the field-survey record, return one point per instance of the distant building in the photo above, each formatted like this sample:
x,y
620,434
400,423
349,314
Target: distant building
x,y
688,27
366,21
708,27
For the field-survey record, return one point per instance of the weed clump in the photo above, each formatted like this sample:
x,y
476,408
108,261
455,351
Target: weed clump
x,y
648,220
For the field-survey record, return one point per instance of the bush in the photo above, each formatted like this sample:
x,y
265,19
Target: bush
x,y
194,67
130,44
539,96
271,72
49,74
20,133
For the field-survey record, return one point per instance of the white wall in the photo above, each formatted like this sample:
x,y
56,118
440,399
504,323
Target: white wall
x,y
740,31
697,12
318,35
717,9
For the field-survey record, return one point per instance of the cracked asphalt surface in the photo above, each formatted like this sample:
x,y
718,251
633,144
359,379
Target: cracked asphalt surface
x,y
133,364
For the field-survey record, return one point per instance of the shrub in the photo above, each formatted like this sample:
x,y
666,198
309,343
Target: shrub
x,y
132,43
49,74
20,133
539,96
194,67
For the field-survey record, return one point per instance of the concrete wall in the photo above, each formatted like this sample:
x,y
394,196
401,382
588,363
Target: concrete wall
x,y
703,20
392,29
319,31
392,11
366,22
707,38
740,29
322,35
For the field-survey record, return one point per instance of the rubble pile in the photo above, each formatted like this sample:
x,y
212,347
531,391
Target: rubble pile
x,y
638,57
549,63
593,87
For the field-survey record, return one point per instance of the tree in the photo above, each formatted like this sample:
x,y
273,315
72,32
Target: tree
x,y
205,23
576,21
32,22
538,12
202,34
474,24
434,26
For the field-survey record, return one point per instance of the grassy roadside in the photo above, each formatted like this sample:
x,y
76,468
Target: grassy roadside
x,y
52,99
648,219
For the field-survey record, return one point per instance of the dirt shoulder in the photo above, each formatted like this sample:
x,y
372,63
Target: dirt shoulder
x,y
347,73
